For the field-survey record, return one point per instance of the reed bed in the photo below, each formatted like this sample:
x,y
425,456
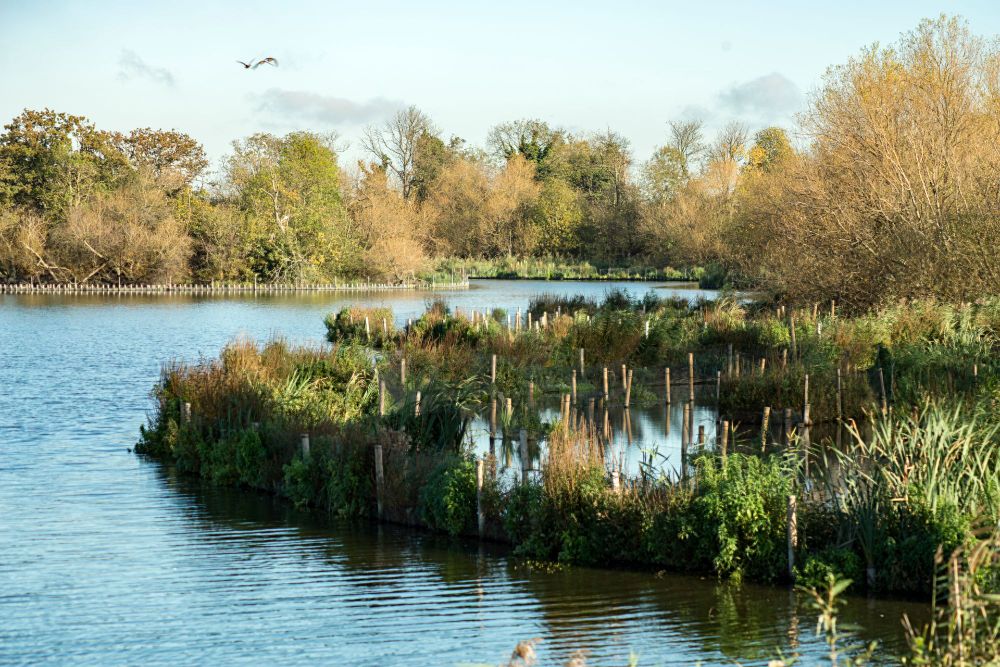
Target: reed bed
x,y
376,426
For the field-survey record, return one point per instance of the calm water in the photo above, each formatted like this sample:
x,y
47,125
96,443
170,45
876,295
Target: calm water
x,y
106,558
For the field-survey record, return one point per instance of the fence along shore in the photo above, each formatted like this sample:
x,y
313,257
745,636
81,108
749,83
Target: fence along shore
x,y
224,288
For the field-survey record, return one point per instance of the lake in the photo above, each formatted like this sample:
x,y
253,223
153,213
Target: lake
x,y
109,558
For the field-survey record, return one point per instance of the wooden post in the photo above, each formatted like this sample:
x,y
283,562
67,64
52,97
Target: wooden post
x,y
718,388
531,394
724,439
510,408
402,371
691,376
791,328
765,418
381,398
493,420
701,434
525,462
628,388
185,414
304,445
685,438
881,386
624,378
574,387
582,367
784,358
840,396
615,480
805,393
368,330
590,413
379,480
729,360
493,369
606,395
480,514
416,407
793,535
647,327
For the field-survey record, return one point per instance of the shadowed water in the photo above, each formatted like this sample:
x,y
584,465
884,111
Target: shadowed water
x,y
108,558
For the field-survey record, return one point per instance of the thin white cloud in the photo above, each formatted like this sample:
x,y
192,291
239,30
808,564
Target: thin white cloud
x,y
131,66
303,105
769,95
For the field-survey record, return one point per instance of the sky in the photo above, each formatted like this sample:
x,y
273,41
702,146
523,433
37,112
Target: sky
x,y
586,66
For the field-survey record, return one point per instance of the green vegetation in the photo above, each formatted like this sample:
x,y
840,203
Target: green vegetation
x,y
906,485
914,217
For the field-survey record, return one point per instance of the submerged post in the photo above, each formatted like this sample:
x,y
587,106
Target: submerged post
x,y
606,384
574,387
379,480
525,462
793,535
628,388
480,514
493,369
666,381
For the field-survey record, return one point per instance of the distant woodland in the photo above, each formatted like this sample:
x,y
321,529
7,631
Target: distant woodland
x,y
888,186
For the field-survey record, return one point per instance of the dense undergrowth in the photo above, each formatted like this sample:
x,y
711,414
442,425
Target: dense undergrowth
x,y
919,479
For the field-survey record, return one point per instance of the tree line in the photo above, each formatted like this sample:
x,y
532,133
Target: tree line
x,y
890,190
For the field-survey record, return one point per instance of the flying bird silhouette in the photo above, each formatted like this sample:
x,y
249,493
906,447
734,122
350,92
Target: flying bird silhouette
x,y
262,61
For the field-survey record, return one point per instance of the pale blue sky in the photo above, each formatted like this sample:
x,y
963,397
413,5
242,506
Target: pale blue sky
x,y
627,65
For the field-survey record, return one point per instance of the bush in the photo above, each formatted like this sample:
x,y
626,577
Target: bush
x,y
448,499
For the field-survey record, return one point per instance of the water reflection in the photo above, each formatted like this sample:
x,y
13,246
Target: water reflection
x,y
418,596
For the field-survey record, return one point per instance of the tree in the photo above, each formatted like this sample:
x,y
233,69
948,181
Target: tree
x,y
532,139
291,185
390,229
664,174
55,160
394,144
173,158
771,148
558,217
897,194
687,141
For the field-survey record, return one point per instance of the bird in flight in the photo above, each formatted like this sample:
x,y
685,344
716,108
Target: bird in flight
x,y
254,65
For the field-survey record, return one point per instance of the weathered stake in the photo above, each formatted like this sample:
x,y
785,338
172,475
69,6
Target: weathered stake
x,y
480,514
666,381
379,480
765,418
793,535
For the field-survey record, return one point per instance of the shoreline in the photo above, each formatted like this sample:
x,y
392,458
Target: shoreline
x,y
225,288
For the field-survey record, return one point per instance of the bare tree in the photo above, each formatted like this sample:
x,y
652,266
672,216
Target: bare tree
x,y
393,144
687,139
